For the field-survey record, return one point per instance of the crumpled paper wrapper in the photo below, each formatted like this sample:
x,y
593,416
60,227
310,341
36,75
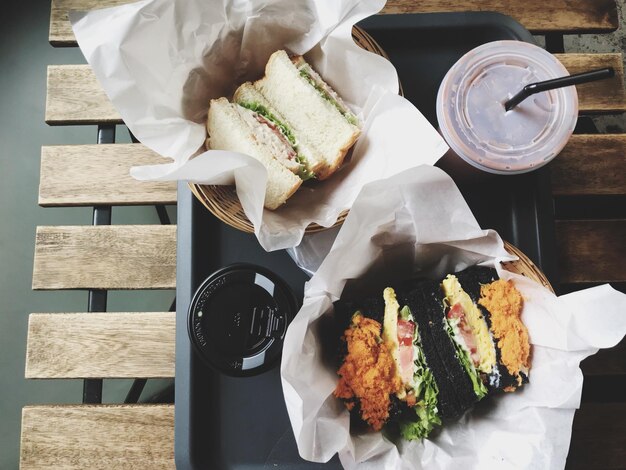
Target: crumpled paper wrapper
x,y
161,61
418,223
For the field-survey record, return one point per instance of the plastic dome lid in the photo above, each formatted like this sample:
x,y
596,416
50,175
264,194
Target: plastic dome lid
x,y
474,123
238,318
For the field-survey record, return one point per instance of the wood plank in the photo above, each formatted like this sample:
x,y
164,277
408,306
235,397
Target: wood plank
x,y
131,345
87,175
61,33
100,345
598,437
105,257
538,16
75,97
142,436
97,437
604,96
591,250
589,165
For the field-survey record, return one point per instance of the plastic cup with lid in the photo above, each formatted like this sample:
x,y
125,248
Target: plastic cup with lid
x,y
475,124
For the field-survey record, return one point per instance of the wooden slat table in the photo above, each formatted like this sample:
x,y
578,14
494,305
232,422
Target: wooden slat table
x,y
76,97
96,345
580,16
91,175
592,250
103,437
141,345
591,165
105,257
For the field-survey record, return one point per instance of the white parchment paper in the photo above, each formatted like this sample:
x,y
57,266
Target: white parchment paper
x,y
418,223
161,61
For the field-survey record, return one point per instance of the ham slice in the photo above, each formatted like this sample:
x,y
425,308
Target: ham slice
x,y
406,330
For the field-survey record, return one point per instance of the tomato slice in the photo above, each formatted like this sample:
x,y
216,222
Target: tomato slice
x,y
406,329
456,311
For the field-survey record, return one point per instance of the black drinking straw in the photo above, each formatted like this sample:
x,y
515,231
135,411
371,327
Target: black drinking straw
x,y
561,82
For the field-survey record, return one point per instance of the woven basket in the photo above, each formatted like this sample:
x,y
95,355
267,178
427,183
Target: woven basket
x,y
525,267
223,202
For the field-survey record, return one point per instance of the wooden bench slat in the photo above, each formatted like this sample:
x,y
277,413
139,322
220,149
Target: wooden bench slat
x,y
591,250
76,175
97,436
61,33
105,257
604,96
130,345
87,175
142,436
100,345
536,15
598,437
590,165
76,97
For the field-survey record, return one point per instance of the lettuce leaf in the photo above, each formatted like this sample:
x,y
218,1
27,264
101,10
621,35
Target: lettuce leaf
x,y
426,406
263,111
351,118
304,173
479,387
425,390
405,314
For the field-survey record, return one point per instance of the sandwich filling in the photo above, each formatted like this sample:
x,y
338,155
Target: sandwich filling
x,y
504,303
406,369
368,372
330,95
270,131
418,387
469,332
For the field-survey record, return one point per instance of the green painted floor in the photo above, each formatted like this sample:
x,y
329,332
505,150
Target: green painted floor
x,y
24,55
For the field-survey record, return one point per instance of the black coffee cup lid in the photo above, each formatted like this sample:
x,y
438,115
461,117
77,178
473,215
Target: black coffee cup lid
x,y
238,318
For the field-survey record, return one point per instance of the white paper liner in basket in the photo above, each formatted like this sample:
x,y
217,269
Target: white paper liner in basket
x,y
160,61
418,223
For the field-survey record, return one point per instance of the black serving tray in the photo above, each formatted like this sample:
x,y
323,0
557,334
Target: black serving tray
x,y
242,423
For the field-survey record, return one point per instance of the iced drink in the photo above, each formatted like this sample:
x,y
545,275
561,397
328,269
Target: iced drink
x,y
474,123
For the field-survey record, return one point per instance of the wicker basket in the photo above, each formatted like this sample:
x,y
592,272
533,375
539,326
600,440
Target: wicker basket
x,y
223,202
525,267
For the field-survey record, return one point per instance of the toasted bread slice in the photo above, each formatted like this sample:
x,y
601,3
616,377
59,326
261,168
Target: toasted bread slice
x,y
228,131
500,303
311,115
247,95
